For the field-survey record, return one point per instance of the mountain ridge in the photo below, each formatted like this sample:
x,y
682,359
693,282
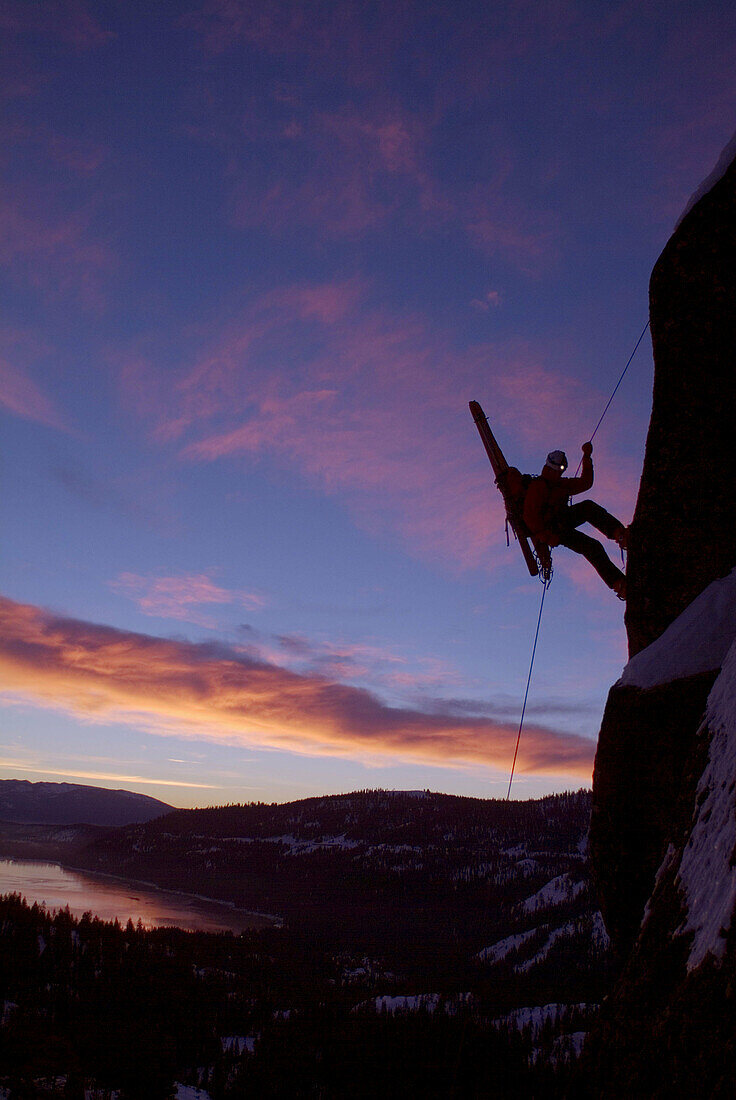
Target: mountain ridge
x,y
44,803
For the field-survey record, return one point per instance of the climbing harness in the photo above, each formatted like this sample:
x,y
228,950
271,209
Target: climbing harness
x,y
546,579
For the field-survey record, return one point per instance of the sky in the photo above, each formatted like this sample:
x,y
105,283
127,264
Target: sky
x,y
256,257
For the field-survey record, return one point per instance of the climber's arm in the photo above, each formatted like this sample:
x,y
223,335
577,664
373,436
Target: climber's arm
x,y
585,481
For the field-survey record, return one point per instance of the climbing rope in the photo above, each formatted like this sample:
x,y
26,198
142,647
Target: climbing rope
x,y
615,390
546,579
545,586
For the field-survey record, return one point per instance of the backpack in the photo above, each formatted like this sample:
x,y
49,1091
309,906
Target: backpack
x,y
513,485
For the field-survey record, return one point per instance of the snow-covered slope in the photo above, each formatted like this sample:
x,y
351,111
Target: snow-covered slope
x,y
707,874
703,639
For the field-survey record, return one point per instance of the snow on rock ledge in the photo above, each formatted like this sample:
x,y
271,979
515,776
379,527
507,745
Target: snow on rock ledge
x,y
707,875
697,641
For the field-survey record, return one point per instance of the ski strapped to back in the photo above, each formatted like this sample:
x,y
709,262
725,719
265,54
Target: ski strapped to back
x,y
512,485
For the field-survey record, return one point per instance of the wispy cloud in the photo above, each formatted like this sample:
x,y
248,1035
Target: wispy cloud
x,y
68,21
365,663
340,150
56,253
342,171
212,692
180,597
367,404
22,397
103,777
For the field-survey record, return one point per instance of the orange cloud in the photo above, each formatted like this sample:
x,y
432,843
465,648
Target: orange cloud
x,y
213,692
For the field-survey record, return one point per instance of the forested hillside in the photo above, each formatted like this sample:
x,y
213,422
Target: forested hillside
x,y
371,863
430,946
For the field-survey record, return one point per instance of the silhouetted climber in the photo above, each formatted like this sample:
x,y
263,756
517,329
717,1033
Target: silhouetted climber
x,y
551,518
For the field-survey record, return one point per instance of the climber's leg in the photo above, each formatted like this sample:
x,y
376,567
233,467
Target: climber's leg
x,y
597,556
587,511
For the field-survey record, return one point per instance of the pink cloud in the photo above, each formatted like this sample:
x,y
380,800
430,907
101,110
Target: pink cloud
x,y
81,156
336,40
349,173
492,231
581,574
179,597
325,302
209,692
343,170
22,397
57,255
375,411
357,662
491,298
69,21
19,75
348,170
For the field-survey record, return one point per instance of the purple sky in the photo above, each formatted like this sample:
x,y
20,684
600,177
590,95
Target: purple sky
x,y
256,258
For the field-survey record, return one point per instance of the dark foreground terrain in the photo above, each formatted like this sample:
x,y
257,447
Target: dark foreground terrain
x,y
431,946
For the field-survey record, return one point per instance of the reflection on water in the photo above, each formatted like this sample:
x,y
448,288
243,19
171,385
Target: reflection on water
x,y
110,899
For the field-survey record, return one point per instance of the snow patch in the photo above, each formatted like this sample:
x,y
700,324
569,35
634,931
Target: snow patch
x,y
697,641
568,929
189,1092
238,1044
556,891
724,163
599,934
517,850
525,868
301,847
426,1002
707,874
420,1002
500,950
567,1048
535,1018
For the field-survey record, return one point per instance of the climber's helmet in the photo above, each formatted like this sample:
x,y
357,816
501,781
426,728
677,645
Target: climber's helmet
x,y
557,460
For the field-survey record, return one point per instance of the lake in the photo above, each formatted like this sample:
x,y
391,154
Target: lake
x,y
109,899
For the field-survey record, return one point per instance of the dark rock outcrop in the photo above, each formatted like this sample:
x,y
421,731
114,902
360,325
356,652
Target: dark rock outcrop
x,y
683,534
664,790
683,537
648,764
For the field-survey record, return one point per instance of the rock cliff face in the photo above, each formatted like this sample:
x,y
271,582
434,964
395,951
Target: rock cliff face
x,y
663,830
683,533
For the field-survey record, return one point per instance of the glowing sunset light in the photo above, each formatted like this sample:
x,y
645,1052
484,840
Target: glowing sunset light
x,y
207,692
